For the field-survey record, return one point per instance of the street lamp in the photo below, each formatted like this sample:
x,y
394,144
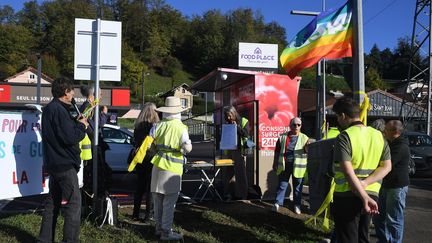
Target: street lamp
x,y
39,73
205,115
142,86
320,87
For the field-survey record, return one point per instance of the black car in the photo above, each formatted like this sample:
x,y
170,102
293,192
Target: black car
x,y
421,152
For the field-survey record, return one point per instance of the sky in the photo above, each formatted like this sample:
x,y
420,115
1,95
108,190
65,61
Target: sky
x,y
384,20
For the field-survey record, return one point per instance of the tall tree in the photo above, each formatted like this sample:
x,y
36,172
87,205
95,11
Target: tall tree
x,y
15,43
374,59
7,15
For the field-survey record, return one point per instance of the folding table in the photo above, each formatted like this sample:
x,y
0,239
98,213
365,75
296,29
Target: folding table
x,y
207,179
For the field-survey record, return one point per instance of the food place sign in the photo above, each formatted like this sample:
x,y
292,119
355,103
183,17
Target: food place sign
x,y
258,55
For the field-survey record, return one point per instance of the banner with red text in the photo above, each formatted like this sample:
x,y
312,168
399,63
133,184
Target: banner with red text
x,y
277,96
21,155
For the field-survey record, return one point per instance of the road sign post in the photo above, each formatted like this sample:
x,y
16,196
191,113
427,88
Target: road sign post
x,y
97,57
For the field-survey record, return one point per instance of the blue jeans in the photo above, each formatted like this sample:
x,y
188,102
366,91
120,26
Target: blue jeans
x,y
389,223
283,185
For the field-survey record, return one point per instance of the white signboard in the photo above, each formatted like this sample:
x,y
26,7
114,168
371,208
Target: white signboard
x,y
258,55
86,52
21,155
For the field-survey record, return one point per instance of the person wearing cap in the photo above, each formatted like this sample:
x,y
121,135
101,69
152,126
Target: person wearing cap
x,y
291,159
171,140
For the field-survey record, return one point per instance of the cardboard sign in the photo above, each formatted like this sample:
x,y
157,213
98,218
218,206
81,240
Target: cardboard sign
x,y
21,155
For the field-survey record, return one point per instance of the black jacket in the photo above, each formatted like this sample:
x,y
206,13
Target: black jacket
x,y
140,133
61,134
400,156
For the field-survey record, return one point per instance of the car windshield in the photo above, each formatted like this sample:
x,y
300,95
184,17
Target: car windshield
x,y
420,140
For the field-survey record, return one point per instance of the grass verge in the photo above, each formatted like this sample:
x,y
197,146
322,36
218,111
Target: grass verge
x,y
205,222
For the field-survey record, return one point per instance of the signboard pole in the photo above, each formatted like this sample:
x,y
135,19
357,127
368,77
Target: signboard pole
x,y
39,73
96,117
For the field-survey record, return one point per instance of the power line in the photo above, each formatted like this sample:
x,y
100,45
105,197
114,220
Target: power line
x,y
380,12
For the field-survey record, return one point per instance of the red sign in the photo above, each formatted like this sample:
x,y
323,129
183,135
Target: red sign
x,y
5,93
120,97
277,95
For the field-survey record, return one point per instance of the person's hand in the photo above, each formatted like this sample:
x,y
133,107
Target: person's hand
x,y
83,120
370,206
105,109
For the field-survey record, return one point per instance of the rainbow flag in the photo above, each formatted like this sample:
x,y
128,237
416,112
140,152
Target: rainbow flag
x,y
328,36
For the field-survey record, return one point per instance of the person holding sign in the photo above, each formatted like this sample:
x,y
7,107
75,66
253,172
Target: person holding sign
x,y
238,154
172,142
291,159
61,134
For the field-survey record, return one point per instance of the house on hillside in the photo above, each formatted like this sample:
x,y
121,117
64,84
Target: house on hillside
x,y
28,76
182,92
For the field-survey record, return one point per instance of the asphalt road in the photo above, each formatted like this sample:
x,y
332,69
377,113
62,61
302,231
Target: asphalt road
x,y
418,212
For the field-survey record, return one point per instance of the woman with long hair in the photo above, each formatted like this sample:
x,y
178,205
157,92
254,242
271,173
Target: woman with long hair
x,y
145,121
238,155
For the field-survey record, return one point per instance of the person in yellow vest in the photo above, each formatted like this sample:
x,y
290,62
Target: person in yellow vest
x,y
238,156
291,159
333,132
172,141
361,160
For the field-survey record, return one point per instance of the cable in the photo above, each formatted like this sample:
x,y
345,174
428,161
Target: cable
x,y
109,213
382,10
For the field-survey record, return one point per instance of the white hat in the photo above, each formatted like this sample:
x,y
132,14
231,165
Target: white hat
x,y
172,106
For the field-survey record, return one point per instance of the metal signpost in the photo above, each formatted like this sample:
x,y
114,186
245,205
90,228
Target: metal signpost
x,y
97,57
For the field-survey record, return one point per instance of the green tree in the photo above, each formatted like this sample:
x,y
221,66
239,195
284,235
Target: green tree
x,y
32,18
60,25
7,15
387,63
15,42
50,65
132,69
373,59
373,79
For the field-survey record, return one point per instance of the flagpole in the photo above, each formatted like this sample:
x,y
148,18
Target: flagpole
x,y
358,52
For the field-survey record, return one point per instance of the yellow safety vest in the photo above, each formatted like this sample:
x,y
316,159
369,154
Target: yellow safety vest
x,y
300,157
332,133
167,140
243,140
85,146
367,145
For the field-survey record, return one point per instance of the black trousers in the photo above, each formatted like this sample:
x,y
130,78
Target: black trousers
x,y
143,172
351,224
63,193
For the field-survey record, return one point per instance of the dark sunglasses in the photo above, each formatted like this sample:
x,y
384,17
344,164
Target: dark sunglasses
x,y
296,125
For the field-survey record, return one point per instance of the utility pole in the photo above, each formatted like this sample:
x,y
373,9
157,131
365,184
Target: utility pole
x,y
142,87
358,55
39,74
320,83
205,118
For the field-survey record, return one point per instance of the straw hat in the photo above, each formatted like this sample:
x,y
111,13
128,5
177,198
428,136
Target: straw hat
x,y
172,106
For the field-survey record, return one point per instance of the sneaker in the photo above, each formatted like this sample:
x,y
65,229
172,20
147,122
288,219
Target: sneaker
x,y
275,207
171,236
297,210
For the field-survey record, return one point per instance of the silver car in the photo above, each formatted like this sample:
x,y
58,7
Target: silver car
x,y
120,141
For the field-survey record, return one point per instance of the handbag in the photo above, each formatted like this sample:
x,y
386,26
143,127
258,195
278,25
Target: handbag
x,y
249,143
